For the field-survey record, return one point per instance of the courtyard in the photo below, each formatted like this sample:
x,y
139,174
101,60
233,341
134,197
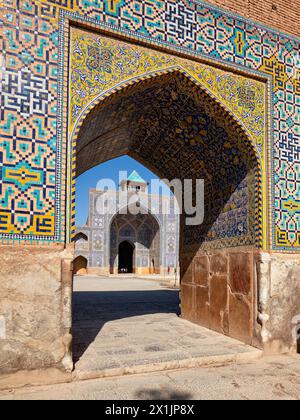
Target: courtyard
x,y
131,325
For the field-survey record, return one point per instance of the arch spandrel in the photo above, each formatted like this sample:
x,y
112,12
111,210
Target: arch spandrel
x,y
100,66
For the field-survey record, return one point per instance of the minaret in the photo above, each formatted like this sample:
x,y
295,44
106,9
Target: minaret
x,y
135,183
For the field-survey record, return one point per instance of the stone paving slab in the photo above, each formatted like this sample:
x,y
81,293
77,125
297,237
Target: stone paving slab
x,y
127,325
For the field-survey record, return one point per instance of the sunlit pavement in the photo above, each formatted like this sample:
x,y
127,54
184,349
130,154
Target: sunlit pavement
x,y
273,378
126,325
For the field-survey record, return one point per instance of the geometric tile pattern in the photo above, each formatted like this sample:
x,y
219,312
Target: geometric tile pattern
x,y
97,59
99,64
30,123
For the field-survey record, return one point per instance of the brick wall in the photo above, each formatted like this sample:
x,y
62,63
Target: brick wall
x,y
281,14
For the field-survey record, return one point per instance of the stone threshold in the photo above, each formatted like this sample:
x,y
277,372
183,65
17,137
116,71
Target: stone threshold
x,y
194,362
52,376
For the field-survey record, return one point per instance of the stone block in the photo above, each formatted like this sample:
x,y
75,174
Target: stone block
x,y
187,270
218,303
241,272
201,270
240,318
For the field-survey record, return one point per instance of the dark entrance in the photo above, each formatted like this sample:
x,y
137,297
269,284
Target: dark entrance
x,y
80,265
126,251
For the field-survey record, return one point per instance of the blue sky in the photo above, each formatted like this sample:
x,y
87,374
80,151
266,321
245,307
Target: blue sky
x,y
106,170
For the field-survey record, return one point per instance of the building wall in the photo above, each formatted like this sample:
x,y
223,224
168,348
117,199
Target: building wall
x,y
101,248
144,233
37,288
281,14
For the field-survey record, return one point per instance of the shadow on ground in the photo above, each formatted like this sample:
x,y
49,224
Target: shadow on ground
x,y
163,394
92,310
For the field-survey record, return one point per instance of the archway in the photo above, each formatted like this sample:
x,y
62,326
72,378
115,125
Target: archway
x,y
180,132
126,255
144,231
80,236
80,265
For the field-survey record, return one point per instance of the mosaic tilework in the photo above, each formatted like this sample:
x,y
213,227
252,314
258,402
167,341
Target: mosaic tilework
x,y
99,64
28,125
219,36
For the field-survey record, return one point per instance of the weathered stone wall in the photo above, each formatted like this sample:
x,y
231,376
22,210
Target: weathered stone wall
x,y
279,303
35,307
219,289
249,295
278,14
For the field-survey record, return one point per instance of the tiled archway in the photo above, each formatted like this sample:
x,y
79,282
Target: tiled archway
x,y
101,67
180,131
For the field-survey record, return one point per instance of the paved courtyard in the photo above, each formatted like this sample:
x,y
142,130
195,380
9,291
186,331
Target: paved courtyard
x,y
275,378
128,325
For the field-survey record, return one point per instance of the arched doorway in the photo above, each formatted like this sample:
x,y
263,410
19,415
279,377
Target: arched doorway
x,y
80,265
126,255
144,231
80,237
180,132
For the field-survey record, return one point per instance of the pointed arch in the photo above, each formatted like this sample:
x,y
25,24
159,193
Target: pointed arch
x,y
140,80
80,265
80,236
213,105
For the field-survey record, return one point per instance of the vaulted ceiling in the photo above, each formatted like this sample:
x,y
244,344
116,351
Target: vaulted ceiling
x,y
179,132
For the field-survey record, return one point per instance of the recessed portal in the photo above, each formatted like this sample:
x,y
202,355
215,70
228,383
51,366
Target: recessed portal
x,y
126,254
180,132
104,219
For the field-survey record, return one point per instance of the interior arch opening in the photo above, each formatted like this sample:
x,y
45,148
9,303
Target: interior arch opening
x,y
177,130
80,236
144,231
80,265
